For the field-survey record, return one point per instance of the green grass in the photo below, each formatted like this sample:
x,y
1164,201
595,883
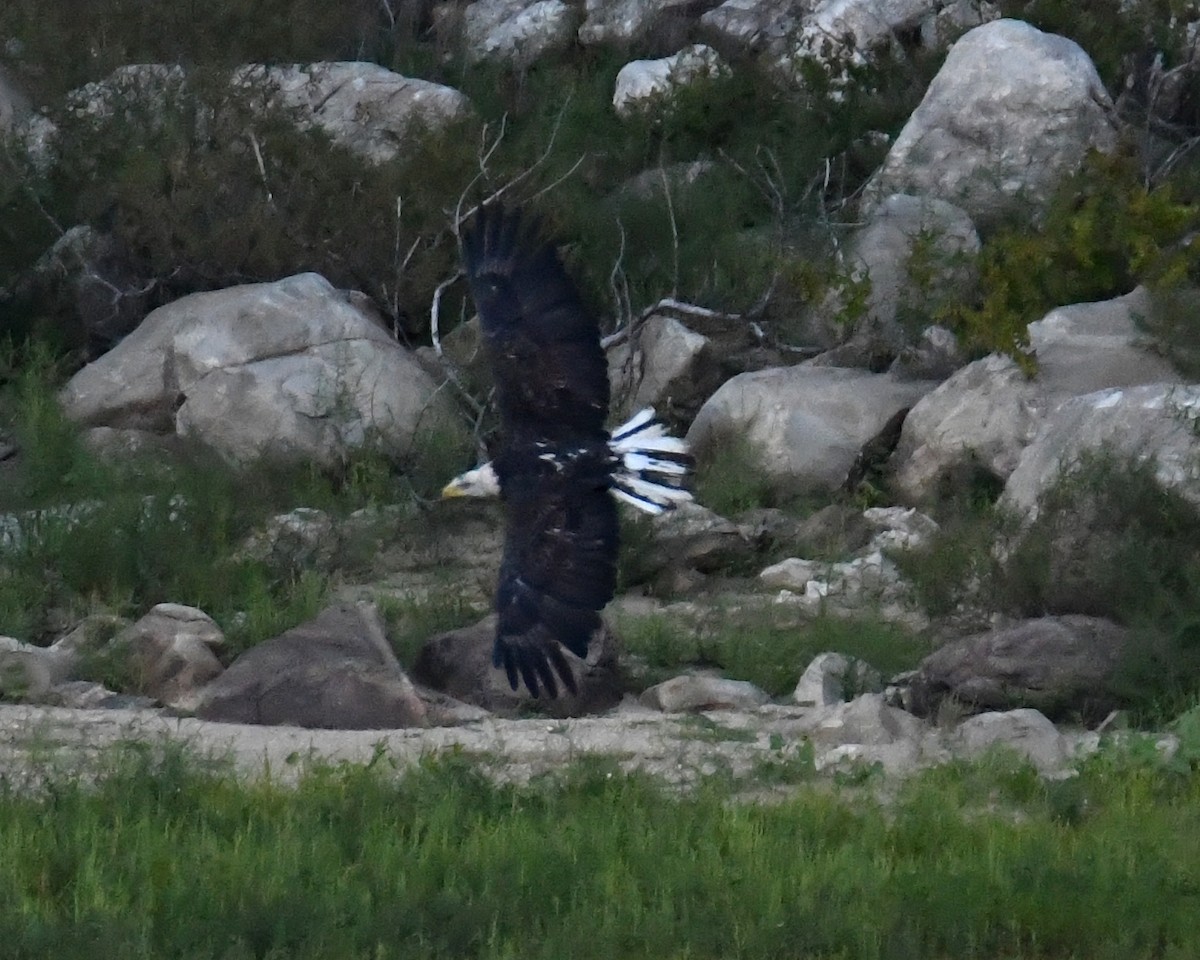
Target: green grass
x,y
161,859
757,646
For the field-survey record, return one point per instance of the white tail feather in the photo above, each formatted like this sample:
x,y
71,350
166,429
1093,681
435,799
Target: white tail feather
x,y
640,463
654,492
653,465
634,424
646,506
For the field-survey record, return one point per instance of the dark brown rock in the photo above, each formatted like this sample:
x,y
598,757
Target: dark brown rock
x,y
335,672
1062,666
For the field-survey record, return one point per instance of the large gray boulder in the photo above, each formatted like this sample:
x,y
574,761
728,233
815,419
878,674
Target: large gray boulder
x,y
517,32
624,22
917,254
336,671
981,418
986,414
361,106
1156,422
170,653
1010,114
1084,347
289,370
806,424
664,365
1059,665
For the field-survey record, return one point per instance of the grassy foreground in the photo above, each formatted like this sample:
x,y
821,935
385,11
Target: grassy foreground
x,y
160,859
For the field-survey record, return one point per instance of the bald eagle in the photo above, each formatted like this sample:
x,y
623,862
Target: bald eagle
x,y
558,471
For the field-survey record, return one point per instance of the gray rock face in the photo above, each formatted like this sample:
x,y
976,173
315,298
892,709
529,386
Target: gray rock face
x,y
1011,112
643,84
335,672
1086,347
831,678
982,417
807,424
1027,732
1059,665
361,106
906,236
851,28
289,369
1156,421
459,663
753,25
668,367
517,31
622,22
693,536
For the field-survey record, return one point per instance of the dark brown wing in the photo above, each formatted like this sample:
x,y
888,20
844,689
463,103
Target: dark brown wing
x,y
544,346
559,566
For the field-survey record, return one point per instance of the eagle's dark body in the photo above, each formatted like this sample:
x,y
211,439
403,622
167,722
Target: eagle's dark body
x,y
555,467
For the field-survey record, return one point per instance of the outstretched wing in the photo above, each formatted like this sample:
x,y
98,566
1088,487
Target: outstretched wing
x,y
558,572
549,369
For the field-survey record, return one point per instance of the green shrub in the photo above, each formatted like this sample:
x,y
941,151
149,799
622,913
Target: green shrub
x,y
1105,232
757,645
1108,541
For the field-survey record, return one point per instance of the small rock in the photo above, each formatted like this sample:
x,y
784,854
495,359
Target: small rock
x,y
867,719
1026,731
695,692
830,677
792,574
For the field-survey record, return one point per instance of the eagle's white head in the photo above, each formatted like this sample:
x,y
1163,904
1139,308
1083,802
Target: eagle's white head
x,y
480,482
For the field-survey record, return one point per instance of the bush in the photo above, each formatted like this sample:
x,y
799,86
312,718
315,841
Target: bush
x,y
1104,233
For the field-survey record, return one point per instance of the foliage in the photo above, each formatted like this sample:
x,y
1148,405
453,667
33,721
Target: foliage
x,y
757,645
729,479
162,858
1105,232
1108,541
79,532
59,46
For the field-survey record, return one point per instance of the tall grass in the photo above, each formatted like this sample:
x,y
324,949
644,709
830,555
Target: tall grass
x,y
755,645
161,860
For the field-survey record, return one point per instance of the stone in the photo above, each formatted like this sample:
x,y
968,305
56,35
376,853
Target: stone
x,y
363,107
697,692
918,255
517,32
1060,665
170,652
1010,114
290,370
823,683
807,425
1085,347
336,671
667,367
867,720
623,22
645,84
981,419
1025,731
1155,422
